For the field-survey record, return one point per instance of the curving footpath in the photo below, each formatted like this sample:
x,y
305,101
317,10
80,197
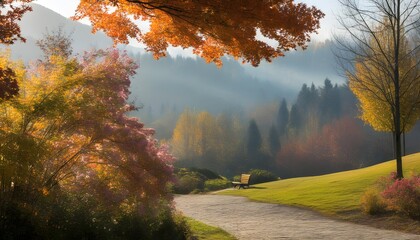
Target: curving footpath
x,y
248,220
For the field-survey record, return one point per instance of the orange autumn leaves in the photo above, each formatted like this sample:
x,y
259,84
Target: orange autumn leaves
x,y
212,28
11,11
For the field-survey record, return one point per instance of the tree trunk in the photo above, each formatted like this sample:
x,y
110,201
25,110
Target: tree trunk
x,y
398,155
397,120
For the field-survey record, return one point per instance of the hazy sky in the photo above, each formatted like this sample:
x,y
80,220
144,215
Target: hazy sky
x,y
329,7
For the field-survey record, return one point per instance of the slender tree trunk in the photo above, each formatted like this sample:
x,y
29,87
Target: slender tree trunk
x,y
399,155
397,133
397,120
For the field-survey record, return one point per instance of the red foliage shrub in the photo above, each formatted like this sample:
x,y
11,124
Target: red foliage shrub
x,y
341,145
403,196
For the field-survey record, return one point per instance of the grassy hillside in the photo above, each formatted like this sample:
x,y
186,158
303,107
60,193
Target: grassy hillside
x,y
331,194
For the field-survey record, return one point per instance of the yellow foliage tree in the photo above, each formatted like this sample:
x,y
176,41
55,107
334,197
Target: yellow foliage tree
x,y
207,133
205,140
372,83
195,135
183,140
387,84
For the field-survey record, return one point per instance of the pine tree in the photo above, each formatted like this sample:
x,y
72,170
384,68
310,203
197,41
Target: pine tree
x,y
254,142
282,118
295,120
329,107
274,141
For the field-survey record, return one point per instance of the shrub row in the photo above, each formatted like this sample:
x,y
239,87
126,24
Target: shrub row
x,y
195,180
258,176
80,217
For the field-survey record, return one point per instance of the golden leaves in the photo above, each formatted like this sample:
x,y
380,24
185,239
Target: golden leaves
x,y
376,86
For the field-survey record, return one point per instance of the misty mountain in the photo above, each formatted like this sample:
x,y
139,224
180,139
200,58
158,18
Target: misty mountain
x,y
314,64
179,82
186,82
42,20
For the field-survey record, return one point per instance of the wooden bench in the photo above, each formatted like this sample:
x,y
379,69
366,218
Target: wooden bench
x,y
244,182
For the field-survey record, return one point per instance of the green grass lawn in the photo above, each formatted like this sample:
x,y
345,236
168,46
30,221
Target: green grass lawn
x,y
205,232
329,194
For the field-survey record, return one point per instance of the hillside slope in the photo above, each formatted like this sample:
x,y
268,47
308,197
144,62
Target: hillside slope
x,y
331,194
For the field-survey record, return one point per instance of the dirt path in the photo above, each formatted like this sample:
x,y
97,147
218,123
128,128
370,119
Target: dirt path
x,y
254,221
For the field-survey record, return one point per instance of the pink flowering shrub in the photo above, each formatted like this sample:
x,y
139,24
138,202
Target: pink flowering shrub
x,y
75,165
404,196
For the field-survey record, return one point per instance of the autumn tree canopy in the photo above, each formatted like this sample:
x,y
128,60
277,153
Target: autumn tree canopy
x,y
68,150
8,83
212,28
383,60
11,11
206,141
373,87
68,128
10,14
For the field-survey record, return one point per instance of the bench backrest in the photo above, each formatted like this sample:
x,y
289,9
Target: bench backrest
x,y
245,178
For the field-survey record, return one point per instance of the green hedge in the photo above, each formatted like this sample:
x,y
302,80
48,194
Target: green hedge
x,y
216,184
196,180
259,176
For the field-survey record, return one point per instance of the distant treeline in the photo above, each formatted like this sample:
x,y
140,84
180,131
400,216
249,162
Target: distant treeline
x,y
318,133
